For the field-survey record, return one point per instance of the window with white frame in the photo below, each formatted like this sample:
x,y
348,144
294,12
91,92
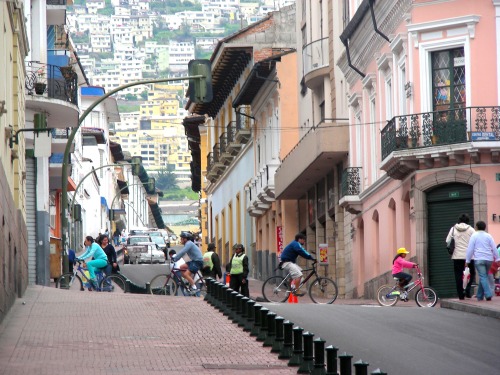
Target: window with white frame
x,y
402,88
388,96
374,138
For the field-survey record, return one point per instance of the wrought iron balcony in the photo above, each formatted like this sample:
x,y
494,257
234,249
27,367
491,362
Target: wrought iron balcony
x,y
351,181
52,81
430,129
233,146
56,2
315,56
350,190
243,126
225,155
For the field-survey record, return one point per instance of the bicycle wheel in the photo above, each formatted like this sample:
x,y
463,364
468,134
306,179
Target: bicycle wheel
x,y
426,297
163,285
387,295
276,289
202,286
69,281
323,290
113,283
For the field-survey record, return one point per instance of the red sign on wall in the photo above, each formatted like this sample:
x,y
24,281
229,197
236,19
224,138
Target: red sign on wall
x,y
279,240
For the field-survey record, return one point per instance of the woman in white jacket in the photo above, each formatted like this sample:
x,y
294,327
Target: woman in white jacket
x,y
462,232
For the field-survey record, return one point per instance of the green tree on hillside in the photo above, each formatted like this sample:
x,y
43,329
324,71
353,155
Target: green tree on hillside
x,y
166,180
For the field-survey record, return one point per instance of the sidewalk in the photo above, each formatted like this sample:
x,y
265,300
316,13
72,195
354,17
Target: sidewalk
x,y
52,331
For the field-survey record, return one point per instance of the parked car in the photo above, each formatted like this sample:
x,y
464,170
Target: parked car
x,y
133,240
145,252
160,242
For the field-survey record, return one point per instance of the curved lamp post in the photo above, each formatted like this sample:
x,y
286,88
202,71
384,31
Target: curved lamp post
x,y
150,182
200,90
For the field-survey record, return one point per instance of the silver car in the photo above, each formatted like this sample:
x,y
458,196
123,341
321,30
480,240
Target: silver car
x,y
146,252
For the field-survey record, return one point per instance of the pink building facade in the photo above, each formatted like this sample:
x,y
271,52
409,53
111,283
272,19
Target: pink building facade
x,y
424,133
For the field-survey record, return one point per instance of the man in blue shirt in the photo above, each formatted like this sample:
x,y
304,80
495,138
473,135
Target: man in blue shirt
x,y
289,257
484,251
195,264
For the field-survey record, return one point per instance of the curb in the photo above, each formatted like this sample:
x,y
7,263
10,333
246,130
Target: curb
x,y
473,309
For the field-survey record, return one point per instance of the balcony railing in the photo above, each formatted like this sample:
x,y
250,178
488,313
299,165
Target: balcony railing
x,y
315,55
222,143
230,130
54,81
56,2
351,181
441,128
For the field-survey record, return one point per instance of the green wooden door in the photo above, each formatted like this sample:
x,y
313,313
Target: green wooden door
x,y
444,205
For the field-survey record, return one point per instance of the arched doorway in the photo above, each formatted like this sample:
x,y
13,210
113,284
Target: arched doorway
x,y
445,204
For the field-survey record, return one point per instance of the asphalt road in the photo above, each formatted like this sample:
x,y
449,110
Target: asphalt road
x,y
404,340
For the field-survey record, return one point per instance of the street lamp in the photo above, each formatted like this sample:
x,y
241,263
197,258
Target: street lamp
x,y
200,91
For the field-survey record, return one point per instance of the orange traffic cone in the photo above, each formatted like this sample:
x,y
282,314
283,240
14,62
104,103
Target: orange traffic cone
x,y
228,279
292,298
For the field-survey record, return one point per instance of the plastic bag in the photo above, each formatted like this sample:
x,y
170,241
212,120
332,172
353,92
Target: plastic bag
x,y
466,277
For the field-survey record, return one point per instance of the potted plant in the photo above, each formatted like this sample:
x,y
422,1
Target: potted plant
x,y
40,84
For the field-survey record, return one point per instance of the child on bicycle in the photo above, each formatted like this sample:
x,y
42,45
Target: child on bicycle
x,y
398,264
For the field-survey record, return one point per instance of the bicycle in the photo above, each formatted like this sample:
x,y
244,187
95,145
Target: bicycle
x,y
322,290
388,295
79,280
173,284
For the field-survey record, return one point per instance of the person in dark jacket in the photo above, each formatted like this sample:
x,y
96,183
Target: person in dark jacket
x,y
211,263
110,251
289,257
238,268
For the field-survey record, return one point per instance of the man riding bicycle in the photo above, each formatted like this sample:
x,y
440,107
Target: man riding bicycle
x,y
190,268
289,257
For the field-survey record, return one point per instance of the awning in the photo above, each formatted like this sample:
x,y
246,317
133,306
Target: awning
x,y
116,151
97,133
71,184
156,211
122,185
104,203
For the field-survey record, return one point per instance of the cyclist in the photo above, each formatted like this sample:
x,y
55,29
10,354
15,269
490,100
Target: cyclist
x,y
195,264
398,264
100,258
289,257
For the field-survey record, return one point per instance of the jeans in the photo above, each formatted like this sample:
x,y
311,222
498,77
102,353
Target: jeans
x,y
483,289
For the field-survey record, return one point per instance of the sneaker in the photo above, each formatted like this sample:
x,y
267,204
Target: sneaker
x,y
298,293
404,297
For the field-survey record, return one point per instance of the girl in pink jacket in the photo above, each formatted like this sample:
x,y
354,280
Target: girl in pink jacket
x,y
398,264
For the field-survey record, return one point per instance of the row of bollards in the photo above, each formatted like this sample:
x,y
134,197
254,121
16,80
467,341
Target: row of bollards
x,y
291,343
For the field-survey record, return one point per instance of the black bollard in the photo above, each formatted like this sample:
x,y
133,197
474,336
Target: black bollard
x,y
227,307
331,360
223,298
244,311
287,351
319,357
296,358
271,329
345,364
360,368
208,283
148,288
307,364
263,325
250,316
278,335
232,304
237,308
256,327
217,288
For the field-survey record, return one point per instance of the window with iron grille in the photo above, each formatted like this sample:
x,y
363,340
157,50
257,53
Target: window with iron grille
x,y
448,79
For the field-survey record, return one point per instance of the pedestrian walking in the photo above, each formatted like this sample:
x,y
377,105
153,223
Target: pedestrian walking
x,y
461,232
484,251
